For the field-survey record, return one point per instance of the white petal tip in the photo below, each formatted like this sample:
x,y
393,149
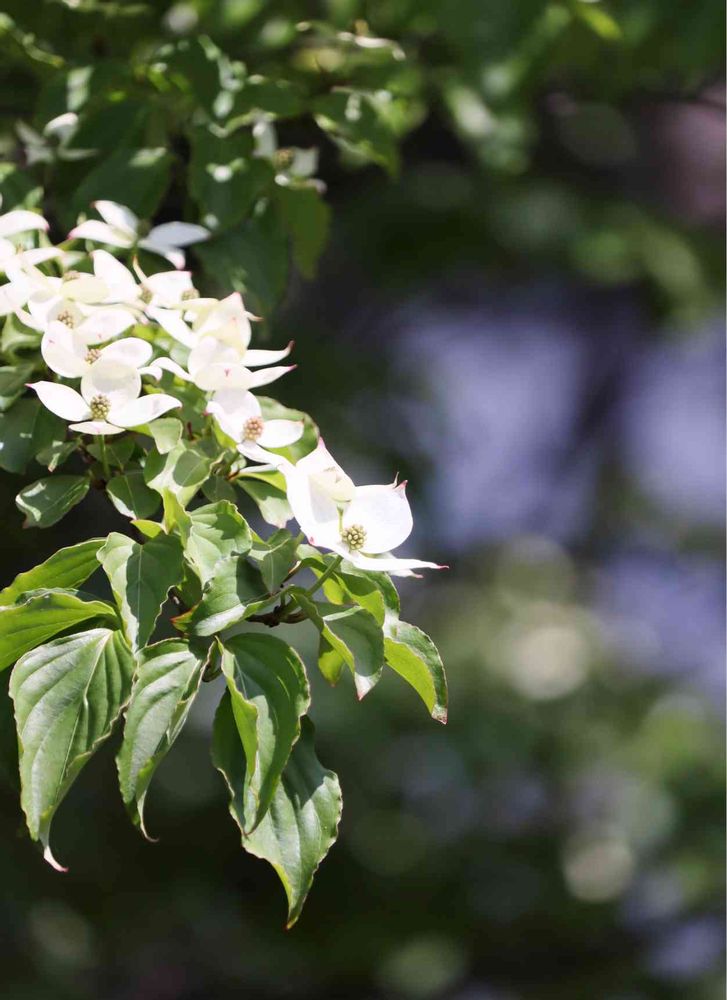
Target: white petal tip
x,y
48,856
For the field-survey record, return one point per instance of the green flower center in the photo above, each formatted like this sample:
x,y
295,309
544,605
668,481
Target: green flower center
x,y
283,158
71,275
253,428
354,536
66,318
100,406
189,293
145,294
92,354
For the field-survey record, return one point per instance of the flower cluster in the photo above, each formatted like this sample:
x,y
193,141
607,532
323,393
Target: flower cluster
x,y
109,333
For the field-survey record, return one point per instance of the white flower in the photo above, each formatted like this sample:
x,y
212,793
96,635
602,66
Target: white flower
x,y
214,364
13,224
289,162
359,523
38,300
68,353
108,402
121,228
239,415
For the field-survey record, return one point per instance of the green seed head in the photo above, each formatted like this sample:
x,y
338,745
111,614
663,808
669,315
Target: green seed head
x,y
71,275
283,158
92,354
189,293
354,536
100,406
253,428
145,294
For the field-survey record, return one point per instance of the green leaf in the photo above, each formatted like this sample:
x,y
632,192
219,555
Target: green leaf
x,y
12,383
167,433
225,179
349,635
235,592
131,496
25,429
413,655
43,614
167,679
140,577
46,501
55,454
68,567
251,258
372,591
181,471
307,218
218,488
277,97
354,121
135,177
67,696
276,556
216,531
269,495
301,824
269,693
116,450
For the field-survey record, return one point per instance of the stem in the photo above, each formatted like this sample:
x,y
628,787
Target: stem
x,y
104,458
324,576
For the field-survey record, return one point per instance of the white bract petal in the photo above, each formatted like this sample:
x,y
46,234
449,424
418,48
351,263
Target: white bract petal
x,y
96,427
100,232
384,514
119,280
143,410
255,359
233,408
64,351
227,321
105,323
116,383
170,321
118,216
179,234
267,375
388,564
172,254
280,433
131,351
160,365
21,221
62,400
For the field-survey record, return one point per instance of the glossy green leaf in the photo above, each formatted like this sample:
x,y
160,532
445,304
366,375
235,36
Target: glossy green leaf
x,y
235,592
269,495
67,695
167,433
182,471
25,429
225,179
301,824
141,577
307,218
269,693
413,655
349,635
216,531
68,567
275,556
131,496
135,177
43,614
12,383
354,121
167,678
46,501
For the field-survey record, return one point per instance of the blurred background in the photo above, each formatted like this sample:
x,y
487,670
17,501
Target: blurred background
x,y
524,317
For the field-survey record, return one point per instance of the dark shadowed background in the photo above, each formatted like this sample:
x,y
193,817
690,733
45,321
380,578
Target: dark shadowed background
x,y
526,322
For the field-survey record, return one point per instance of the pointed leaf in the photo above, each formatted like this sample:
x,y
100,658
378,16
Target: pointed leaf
x,y
167,679
43,614
269,495
301,824
412,654
275,556
349,635
269,691
131,496
67,696
140,577
68,567
235,592
182,471
216,531
46,501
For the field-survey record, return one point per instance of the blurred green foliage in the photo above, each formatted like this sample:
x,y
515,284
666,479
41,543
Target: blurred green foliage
x,y
561,837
